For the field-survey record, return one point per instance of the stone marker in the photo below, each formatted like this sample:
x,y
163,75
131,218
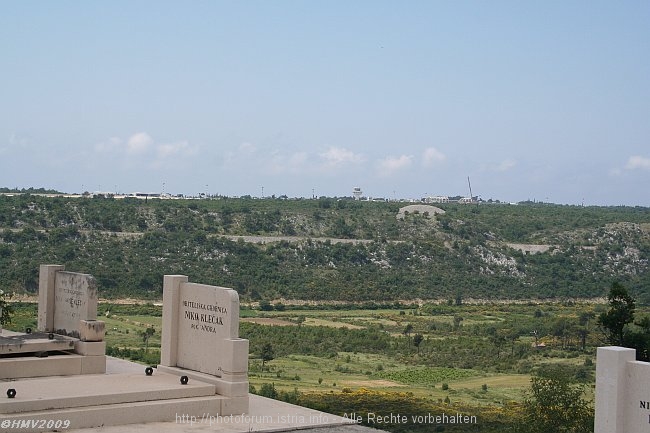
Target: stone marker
x,y
65,298
203,371
622,392
69,340
200,334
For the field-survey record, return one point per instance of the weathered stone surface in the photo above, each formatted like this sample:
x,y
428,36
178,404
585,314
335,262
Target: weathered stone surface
x,y
200,336
92,330
622,392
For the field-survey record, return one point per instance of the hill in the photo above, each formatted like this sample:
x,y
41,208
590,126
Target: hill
x,y
328,249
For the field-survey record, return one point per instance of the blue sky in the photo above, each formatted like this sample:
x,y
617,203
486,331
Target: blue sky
x,y
533,100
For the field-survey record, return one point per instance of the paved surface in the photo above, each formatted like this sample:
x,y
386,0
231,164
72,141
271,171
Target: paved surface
x,y
20,342
265,415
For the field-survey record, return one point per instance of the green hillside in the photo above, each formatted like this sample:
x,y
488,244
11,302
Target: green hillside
x,y
328,249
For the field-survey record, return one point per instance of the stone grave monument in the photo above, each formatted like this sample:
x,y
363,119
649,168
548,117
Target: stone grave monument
x,y
203,370
200,338
69,340
622,392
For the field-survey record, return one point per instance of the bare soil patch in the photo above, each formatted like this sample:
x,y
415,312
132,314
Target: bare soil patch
x,y
267,321
378,383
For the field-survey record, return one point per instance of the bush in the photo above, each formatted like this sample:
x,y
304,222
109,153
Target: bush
x,y
268,390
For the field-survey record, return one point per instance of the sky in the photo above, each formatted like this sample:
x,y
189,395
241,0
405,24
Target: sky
x,y
546,101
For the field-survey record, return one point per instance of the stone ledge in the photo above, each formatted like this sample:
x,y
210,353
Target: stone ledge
x,y
97,390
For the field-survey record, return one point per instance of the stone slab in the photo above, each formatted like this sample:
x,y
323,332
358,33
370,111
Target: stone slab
x,y
104,416
75,299
192,415
223,387
200,329
93,364
46,282
92,330
622,392
91,348
19,342
97,390
265,415
53,365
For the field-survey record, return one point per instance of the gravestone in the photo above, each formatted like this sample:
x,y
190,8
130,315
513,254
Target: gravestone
x,y
622,392
69,340
200,338
65,299
203,372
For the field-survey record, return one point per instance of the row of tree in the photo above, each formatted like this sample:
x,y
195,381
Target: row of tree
x,y
130,244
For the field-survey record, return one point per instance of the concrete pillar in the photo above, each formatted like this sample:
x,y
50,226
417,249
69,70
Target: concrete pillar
x,y
171,300
611,363
46,282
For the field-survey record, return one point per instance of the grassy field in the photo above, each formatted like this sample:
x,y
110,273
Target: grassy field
x,y
355,371
501,331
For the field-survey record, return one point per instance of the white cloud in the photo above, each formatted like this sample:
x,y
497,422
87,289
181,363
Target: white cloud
x,y
140,147
110,145
392,164
503,166
337,156
638,162
279,163
432,156
298,159
139,143
180,148
506,165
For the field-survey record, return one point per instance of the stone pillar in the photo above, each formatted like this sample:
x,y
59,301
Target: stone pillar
x,y
611,363
235,368
170,314
46,283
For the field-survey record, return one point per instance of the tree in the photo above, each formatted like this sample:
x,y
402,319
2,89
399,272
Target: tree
x,y
585,327
417,340
457,322
619,326
557,406
301,319
407,330
619,315
146,335
6,309
267,353
265,305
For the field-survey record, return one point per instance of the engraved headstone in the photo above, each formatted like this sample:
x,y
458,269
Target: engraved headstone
x,y
65,298
201,334
208,316
75,299
69,339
